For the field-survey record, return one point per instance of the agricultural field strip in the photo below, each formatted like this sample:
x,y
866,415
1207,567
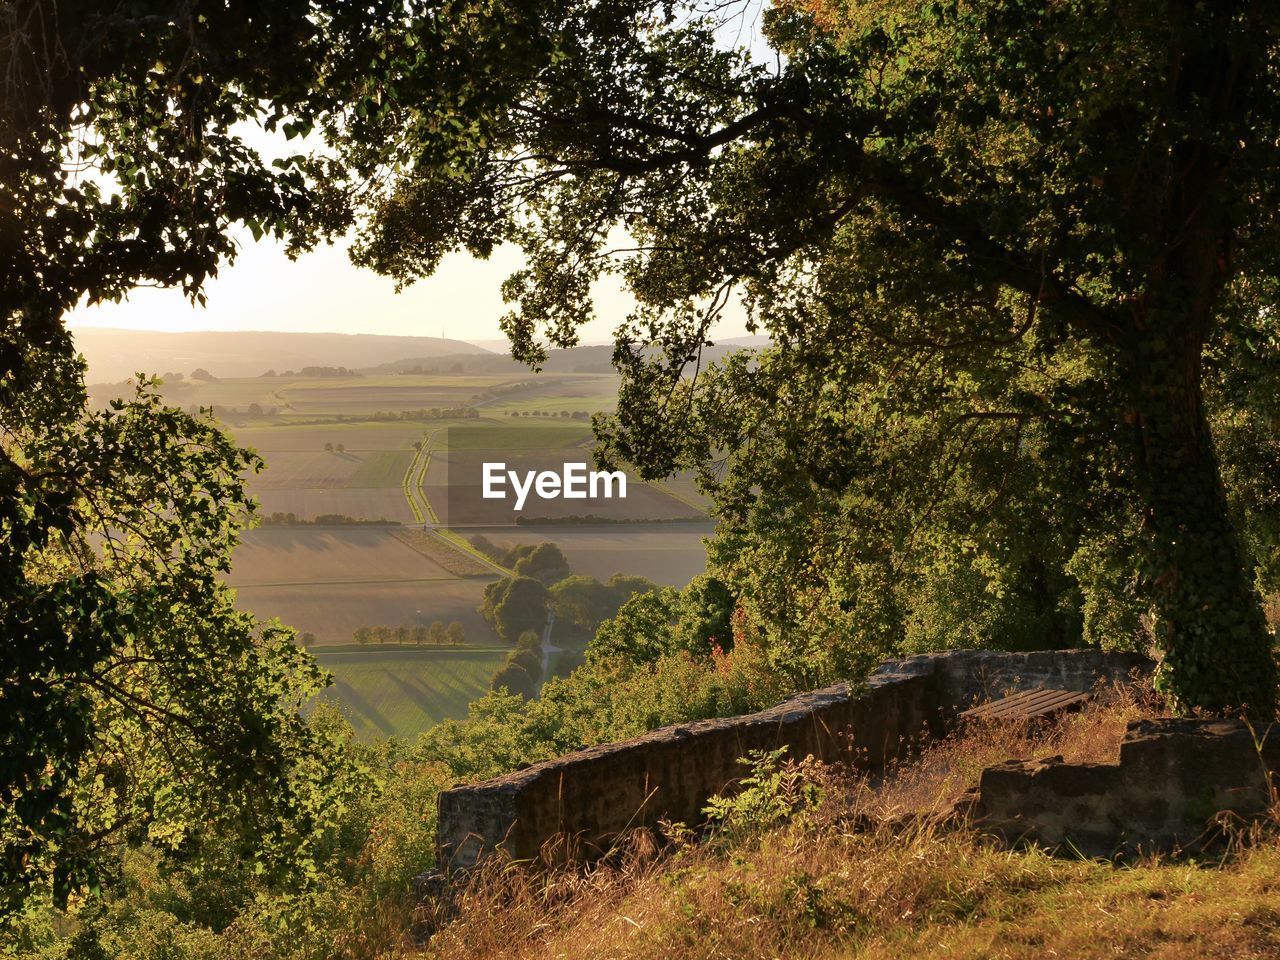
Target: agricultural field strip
x,y
406,485
422,540
665,488
334,581
421,477
460,543
381,468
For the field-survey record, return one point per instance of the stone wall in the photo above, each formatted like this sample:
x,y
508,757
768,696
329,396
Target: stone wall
x,y
969,676
1174,780
595,794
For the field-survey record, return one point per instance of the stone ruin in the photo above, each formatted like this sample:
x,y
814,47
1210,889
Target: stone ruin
x,y
1173,778
1178,787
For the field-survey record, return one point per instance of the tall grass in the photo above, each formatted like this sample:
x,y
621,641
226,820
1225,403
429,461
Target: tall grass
x,y
878,869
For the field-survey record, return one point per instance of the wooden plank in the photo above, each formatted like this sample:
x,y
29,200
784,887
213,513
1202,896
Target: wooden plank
x,y
1027,705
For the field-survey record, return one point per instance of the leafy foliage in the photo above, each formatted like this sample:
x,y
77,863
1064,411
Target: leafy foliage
x,y
514,605
585,602
544,562
1000,249
136,701
772,792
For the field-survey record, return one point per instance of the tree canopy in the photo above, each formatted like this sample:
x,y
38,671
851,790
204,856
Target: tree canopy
x,y
134,701
1016,261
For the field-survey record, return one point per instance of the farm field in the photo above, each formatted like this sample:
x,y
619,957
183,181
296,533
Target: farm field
x,y
377,448
269,438
452,482
334,610
405,692
367,395
328,555
590,392
308,503
666,553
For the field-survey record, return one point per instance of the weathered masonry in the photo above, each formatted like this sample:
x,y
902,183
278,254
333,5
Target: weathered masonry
x,y
597,793
1176,784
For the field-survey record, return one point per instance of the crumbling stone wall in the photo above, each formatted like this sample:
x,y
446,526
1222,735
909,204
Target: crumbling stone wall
x,y
595,794
969,676
1174,780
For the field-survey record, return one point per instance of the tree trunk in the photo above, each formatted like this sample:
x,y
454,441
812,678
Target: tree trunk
x,y
1209,626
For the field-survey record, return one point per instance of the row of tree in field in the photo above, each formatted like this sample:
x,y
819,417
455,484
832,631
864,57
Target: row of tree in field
x,y
437,634
422,413
280,518
316,372
565,414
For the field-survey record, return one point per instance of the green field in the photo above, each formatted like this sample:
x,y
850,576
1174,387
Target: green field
x,y
404,692
381,468
377,447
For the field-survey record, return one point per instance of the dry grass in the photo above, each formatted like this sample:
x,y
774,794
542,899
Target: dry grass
x,y
829,885
930,781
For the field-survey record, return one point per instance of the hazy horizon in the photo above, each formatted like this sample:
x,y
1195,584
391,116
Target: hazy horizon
x,y
323,292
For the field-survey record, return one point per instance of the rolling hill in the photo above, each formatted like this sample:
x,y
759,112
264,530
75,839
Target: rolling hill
x,y
114,354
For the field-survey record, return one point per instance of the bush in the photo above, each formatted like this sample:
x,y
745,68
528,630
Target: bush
x,y
772,792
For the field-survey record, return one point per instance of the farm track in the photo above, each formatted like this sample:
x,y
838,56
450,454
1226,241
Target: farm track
x,y
411,485
422,477
426,515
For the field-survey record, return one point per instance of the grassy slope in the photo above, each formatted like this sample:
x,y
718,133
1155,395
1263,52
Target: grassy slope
x,y
819,887
404,692
795,894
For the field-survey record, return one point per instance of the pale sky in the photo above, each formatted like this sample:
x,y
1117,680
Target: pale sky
x,y
323,292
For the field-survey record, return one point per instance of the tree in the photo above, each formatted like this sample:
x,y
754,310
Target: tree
x,y
529,640
437,634
420,634
515,679
455,634
623,586
363,635
328,448
586,602
134,691
582,601
996,240
156,104
515,605
308,640
200,373
544,562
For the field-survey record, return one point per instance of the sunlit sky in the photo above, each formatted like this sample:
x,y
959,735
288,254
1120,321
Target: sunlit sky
x,y
323,292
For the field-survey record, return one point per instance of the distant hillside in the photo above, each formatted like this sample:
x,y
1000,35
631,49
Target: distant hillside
x,y
594,358
115,354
